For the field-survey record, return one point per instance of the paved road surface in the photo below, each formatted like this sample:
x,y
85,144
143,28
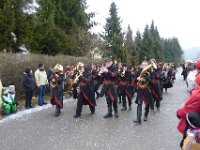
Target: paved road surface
x,y
38,129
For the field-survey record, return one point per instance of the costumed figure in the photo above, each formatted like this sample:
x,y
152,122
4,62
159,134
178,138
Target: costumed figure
x,y
56,82
119,68
133,85
124,88
144,92
83,85
168,78
97,80
155,87
184,71
192,104
69,80
109,75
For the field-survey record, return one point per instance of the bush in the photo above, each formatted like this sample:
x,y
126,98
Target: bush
x,y
12,66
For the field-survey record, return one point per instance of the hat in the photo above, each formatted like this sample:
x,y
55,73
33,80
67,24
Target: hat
x,y
198,64
40,65
193,119
11,88
109,59
58,68
197,80
124,65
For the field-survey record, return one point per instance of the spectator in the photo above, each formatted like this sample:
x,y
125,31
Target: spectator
x,y
28,85
191,78
194,71
41,82
8,102
191,105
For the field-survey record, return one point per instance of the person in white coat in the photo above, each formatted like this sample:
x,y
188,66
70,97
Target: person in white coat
x,y
41,82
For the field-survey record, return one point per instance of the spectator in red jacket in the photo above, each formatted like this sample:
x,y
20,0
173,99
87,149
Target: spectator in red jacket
x,y
190,105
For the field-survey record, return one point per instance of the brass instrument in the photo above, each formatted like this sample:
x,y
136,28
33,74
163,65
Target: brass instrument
x,y
57,69
123,72
142,81
77,77
79,73
53,81
102,70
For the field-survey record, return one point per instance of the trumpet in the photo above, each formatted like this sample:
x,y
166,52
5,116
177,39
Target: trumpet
x,y
53,81
102,70
123,72
77,77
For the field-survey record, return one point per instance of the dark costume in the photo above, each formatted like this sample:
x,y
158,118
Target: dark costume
x,y
109,90
155,87
85,93
97,82
57,93
184,71
144,94
124,88
168,80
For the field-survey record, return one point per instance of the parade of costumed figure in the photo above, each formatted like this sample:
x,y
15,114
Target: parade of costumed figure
x,y
57,91
8,101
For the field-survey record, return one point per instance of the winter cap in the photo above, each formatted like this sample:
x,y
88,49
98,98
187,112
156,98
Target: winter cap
x,y
193,119
198,64
11,87
197,80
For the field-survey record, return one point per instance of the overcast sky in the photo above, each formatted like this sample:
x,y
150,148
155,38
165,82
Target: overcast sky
x,y
174,18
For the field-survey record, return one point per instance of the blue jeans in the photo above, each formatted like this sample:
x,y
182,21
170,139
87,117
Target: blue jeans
x,y
41,95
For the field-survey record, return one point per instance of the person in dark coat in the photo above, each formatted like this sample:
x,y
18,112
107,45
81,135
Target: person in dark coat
x,y
84,85
109,75
124,88
57,91
97,80
155,87
143,94
28,83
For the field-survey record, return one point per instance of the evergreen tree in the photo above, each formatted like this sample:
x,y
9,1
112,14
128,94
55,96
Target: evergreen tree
x,y
138,50
157,43
15,24
147,44
114,36
129,45
23,23
151,45
7,24
172,50
68,21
